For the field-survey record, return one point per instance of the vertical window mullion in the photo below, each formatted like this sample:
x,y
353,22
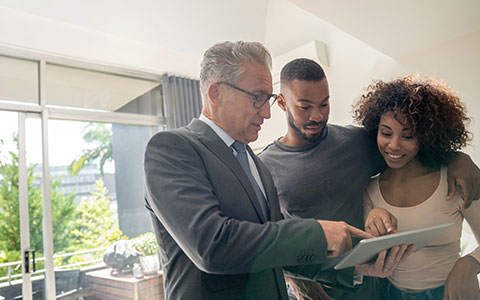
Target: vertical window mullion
x,y
23,207
47,196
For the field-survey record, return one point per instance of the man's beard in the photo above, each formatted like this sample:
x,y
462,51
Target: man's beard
x,y
309,139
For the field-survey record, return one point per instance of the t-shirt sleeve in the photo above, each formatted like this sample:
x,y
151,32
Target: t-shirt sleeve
x,y
378,163
376,160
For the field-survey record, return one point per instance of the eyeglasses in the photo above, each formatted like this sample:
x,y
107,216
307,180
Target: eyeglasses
x,y
258,99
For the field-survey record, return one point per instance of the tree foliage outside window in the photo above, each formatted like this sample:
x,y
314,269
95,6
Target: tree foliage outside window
x,y
10,216
99,135
85,225
95,225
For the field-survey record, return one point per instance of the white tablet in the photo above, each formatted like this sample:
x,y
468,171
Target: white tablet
x,y
366,250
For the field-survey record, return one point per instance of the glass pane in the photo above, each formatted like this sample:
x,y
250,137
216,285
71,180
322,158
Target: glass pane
x,y
18,80
10,257
95,90
10,254
98,173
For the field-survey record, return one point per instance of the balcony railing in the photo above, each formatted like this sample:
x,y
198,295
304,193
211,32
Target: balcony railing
x,y
16,265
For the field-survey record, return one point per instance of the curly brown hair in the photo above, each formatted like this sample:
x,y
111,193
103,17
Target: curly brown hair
x,y
430,107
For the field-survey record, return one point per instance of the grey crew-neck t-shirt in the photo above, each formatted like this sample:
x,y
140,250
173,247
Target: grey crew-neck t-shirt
x,y
325,180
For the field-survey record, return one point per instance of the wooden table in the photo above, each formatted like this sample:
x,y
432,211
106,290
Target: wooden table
x,y
103,286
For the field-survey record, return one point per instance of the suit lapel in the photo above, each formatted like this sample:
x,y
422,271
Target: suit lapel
x,y
216,145
268,186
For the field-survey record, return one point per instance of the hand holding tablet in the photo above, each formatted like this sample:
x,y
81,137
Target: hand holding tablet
x,y
366,250
386,262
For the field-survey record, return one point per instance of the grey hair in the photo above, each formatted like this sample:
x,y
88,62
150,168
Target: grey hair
x,y
225,61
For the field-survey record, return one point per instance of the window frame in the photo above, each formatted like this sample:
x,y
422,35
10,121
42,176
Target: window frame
x,y
46,112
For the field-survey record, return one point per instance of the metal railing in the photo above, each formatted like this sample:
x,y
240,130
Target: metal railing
x,y
15,265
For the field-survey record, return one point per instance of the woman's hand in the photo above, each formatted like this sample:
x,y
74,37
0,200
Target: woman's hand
x,y
464,174
380,222
462,282
385,264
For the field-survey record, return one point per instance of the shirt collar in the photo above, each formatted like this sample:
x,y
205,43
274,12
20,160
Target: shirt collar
x,y
227,139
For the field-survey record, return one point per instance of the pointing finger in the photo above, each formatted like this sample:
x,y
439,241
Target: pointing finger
x,y
355,232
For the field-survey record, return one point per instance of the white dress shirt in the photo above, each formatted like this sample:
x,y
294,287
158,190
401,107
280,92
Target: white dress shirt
x,y
228,140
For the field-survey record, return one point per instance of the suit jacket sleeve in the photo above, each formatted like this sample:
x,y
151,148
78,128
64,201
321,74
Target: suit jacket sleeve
x,y
180,192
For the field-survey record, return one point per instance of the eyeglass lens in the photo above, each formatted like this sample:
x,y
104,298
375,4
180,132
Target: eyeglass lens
x,y
263,98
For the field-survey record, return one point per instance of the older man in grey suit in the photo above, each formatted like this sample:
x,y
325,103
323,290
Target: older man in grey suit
x,y
214,205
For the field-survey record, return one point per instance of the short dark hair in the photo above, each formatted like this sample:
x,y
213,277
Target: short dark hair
x,y
430,107
301,69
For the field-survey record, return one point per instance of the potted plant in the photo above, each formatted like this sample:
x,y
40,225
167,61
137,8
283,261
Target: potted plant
x,y
147,245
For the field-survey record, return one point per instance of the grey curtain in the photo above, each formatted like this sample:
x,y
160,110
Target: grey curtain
x,y
183,100
128,143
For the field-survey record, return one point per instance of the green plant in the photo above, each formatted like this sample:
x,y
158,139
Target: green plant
x,y
62,215
96,224
76,226
100,135
146,244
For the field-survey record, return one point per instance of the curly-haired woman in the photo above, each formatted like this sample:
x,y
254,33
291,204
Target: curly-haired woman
x,y
419,123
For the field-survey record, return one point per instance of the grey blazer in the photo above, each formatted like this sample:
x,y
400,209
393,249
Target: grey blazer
x,y
215,243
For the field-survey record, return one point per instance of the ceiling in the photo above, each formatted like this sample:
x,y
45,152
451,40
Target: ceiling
x,y
187,26
399,28
396,28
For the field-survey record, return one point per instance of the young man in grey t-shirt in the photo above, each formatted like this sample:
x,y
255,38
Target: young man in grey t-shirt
x,y
320,170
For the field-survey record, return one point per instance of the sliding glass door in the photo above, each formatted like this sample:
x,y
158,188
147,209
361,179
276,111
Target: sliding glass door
x,y
72,140
21,203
